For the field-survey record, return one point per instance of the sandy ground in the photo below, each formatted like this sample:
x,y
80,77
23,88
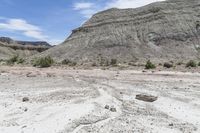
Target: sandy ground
x,y
70,101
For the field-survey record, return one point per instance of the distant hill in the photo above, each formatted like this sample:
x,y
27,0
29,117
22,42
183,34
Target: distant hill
x,y
162,31
10,47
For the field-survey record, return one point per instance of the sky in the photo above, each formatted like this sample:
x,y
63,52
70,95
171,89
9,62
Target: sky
x,y
52,20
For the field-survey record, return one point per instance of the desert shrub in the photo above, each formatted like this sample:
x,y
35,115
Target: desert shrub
x,y
94,64
43,62
15,59
191,63
180,63
20,61
69,62
66,61
149,65
72,64
113,62
154,9
102,61
167,65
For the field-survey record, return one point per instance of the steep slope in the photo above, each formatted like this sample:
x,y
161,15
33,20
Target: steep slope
x,y
161,31
10,47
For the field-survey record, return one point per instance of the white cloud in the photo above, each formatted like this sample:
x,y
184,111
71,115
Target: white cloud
x,y
23,26
88,9
56,41
129,3
36,35
82,5
88,13
2,18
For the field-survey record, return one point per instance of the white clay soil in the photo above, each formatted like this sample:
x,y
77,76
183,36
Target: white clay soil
x,y
98,101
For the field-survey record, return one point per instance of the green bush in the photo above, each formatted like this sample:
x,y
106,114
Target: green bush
x,y
149,65
69,62
167,65
72,64
20,61
15,59
199,64
43,62
94,64
66,62
191,63
180,63
12,60
113,62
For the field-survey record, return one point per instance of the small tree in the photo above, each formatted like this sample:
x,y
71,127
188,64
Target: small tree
x,y
149,65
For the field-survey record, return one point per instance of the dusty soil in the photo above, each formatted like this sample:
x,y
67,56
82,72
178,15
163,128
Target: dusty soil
x,y
64,101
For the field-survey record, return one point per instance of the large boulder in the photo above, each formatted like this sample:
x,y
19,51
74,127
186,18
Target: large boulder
x,y
146,98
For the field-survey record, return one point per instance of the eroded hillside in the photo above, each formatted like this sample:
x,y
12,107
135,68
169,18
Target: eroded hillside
x,y
161,31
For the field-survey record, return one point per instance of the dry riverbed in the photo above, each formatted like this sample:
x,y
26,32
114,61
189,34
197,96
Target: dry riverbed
x,y
98,101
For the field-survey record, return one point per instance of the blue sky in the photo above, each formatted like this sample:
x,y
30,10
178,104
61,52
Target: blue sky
x,y
52,20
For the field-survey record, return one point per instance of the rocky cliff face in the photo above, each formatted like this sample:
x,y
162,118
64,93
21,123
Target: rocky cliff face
x,y
10,47
161,31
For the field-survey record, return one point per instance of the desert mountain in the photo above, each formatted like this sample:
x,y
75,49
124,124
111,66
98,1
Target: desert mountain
x,y
10,47
161,31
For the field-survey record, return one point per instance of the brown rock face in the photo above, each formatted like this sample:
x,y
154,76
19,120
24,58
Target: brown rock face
x,y
161,31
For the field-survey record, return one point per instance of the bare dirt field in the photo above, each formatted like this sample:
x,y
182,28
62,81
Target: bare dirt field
x,y
55,100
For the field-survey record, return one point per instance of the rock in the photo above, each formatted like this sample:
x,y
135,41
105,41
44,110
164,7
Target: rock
x,y
50,75
107,107
112,109
30,74
25,109
146,98
159,31
171,124
25,99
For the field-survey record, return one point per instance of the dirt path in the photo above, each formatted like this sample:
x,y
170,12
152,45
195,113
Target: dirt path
x,y
64,101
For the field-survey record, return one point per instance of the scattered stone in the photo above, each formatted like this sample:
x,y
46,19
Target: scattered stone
x,y
25,109
24,126
146,98
121,92
171,124
107,107
50,75
144,71
25,99
30,74
113,109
